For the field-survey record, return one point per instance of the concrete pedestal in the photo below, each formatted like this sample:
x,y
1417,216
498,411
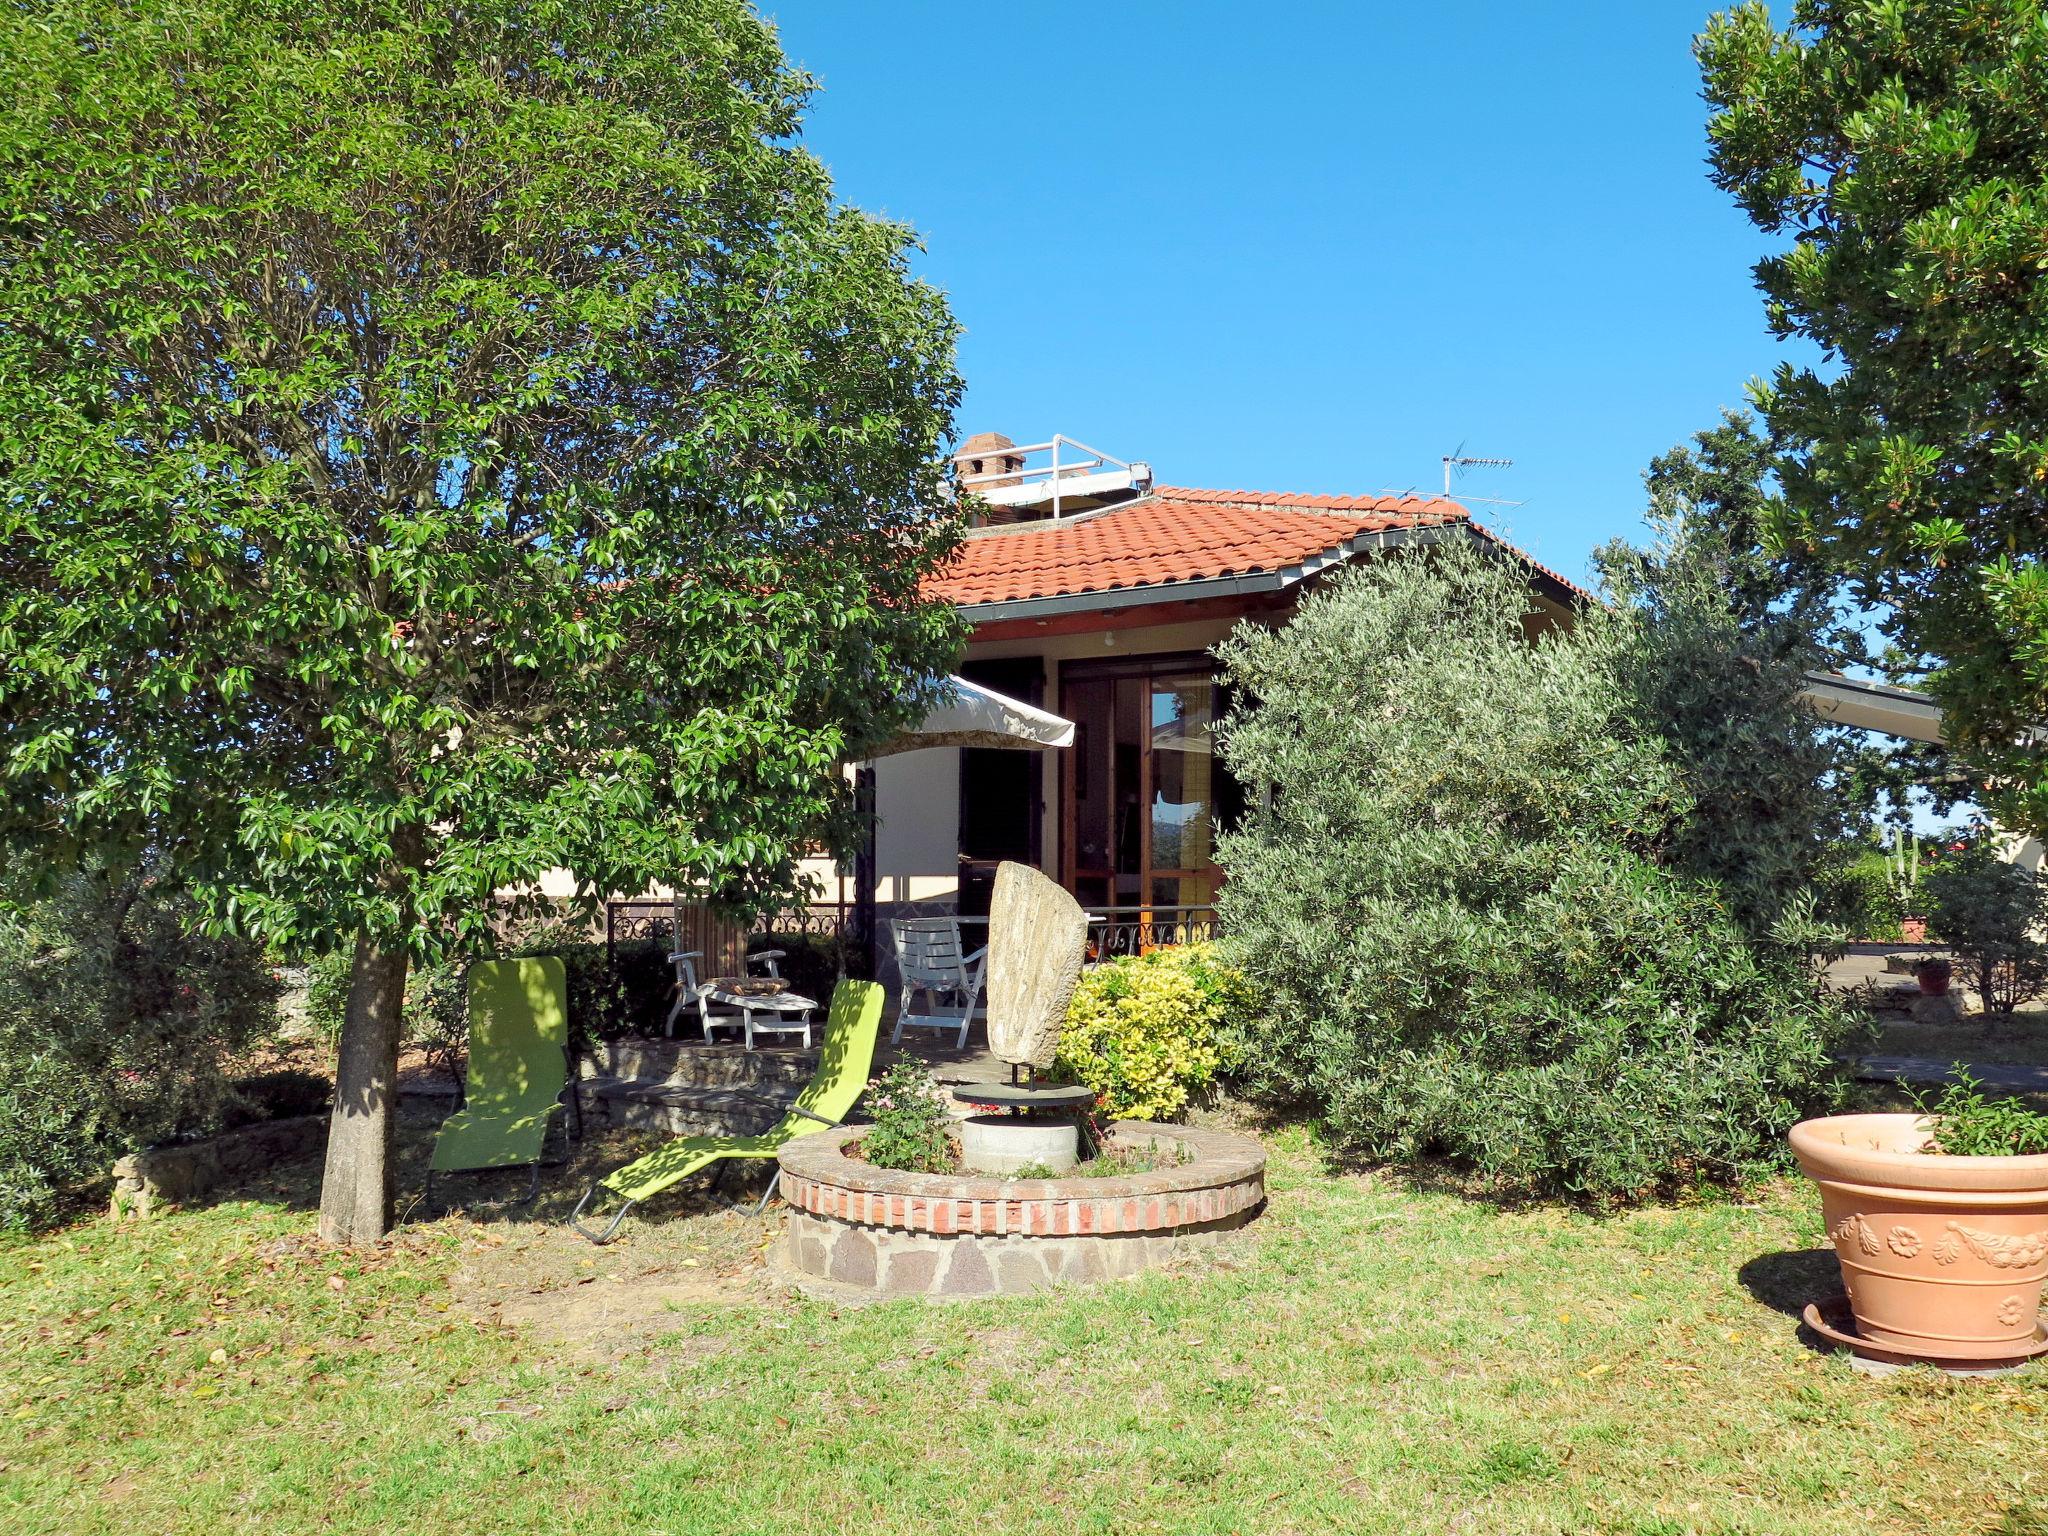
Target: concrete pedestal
x,y
1004,1143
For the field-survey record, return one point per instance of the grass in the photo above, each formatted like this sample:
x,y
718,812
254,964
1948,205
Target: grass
x,y
1365,1358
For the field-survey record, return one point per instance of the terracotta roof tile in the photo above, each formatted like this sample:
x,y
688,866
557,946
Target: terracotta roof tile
x,y
1176,534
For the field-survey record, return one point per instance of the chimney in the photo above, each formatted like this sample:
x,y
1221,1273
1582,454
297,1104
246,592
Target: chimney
x,y
983,454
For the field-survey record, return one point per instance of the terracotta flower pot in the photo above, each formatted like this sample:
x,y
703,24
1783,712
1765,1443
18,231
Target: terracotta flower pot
x,y
1943,1257
1934,978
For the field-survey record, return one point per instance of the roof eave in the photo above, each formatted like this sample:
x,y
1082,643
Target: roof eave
x,y
1142,595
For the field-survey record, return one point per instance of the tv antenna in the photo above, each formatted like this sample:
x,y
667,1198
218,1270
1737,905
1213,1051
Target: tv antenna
x,y
1459,461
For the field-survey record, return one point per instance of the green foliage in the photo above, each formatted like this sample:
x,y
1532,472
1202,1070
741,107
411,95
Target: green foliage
x,y
436,1004
913,1125
1862,896
542,463
1503,900
810,963
1719,485
1992,914
118,1028
1150,1032
1902,145
441,444
1964,1123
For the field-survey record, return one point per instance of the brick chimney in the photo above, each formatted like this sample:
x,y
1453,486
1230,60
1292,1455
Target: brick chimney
x,y
982,454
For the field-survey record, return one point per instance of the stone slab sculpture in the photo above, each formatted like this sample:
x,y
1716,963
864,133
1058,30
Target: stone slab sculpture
x,y
1037,939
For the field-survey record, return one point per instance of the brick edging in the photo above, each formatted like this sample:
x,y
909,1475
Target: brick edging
x,y
1224,1178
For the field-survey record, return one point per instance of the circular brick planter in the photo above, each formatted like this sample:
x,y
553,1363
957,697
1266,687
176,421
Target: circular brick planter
x,y
887,1233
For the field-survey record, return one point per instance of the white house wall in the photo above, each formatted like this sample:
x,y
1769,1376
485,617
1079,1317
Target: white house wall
x,y
917,794
917,843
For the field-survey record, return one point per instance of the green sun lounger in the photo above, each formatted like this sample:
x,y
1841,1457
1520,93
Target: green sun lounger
x,y
518,1069
843,1063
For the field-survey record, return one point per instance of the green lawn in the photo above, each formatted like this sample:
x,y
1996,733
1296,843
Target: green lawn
x,y
1366,1357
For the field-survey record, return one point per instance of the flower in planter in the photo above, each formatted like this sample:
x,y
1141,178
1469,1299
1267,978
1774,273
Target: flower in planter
x,y
913,1121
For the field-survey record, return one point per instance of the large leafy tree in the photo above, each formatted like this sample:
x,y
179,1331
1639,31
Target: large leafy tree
x,y
1902,145
1721,486
441,443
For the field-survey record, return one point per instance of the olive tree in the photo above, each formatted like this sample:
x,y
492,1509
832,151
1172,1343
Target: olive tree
x,y
439,444
1539,907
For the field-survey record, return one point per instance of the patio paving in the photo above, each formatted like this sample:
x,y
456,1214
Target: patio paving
x,y
2007,1076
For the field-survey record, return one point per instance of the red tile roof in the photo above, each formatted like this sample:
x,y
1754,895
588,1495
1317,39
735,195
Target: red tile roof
x,y
1175,535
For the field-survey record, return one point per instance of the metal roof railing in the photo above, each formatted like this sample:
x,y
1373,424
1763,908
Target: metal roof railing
x,y
1072,470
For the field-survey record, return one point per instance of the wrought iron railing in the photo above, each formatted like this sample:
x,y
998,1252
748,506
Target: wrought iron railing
x,y
1114,931
628,921
1111,930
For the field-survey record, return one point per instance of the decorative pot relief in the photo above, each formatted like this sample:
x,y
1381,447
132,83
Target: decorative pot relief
x,y
2015,1250
1853,1227
2011,1310
1904,1241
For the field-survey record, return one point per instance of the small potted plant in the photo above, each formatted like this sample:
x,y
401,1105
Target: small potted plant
x,y
1940,1221
1933,973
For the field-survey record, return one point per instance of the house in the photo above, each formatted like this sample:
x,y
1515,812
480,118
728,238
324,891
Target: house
x,y
1098,594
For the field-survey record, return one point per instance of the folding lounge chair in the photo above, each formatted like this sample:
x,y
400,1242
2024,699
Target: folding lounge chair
x,y
518,1069
843,1062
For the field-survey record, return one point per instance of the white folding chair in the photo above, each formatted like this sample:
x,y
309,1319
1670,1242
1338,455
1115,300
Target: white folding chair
x,y
689,991
931,961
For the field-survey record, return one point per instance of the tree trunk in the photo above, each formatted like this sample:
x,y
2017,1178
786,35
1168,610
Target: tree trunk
x,y
360,1185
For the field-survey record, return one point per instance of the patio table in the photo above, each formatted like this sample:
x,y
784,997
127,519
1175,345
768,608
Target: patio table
x,y
758,1013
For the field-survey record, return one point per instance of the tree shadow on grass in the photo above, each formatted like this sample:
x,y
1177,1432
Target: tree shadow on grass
x,y
498,1196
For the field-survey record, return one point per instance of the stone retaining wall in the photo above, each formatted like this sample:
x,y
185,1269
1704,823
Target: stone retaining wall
x,y
688,1062
920,1234
165,1176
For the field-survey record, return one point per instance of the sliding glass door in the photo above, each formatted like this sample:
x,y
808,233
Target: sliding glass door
x,y
1143,794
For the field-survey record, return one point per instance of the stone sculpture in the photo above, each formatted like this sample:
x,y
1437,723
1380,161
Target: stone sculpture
x,y
1037,939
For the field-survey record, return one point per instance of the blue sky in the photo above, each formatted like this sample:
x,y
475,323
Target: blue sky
x,y
1313,247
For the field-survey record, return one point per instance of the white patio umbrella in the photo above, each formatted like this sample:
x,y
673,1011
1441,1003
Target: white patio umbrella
x,y
974,716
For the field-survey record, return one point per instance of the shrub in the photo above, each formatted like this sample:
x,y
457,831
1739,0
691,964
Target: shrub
x,y
1148,1032
1864,897
1992,914
810,962
119,1024
436,1020
1966,1124
913,1123
1501,897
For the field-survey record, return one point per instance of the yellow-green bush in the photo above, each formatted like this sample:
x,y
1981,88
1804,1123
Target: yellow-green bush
x,y
1146,1032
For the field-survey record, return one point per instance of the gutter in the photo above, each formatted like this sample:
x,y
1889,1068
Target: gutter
x,y
1872,706
1275,580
